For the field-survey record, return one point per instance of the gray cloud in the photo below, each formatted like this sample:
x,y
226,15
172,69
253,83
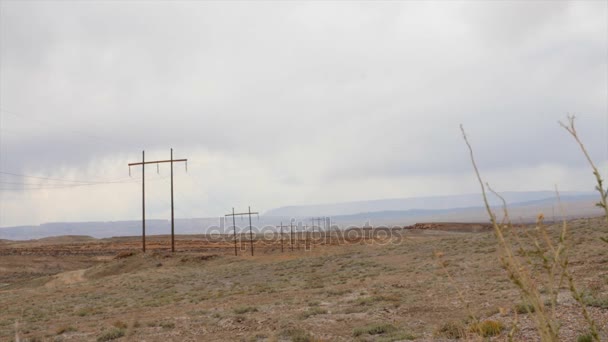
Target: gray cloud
x,y
307,100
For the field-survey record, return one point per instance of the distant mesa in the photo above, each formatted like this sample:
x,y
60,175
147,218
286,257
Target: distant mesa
x,y
452,226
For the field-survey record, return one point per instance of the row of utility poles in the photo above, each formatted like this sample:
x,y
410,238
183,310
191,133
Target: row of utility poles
x,y
326,228
143,163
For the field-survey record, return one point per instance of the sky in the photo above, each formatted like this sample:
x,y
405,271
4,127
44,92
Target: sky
x,y
291,103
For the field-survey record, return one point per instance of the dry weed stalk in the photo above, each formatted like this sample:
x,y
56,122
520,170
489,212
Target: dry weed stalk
x,y
518,273
553,256
603,203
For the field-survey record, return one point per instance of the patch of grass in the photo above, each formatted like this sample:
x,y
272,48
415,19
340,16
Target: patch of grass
x,y
88,311
355,309
592,299
83,312
487,328
585,338
120,324
312,312
374,329
111,334
296,335
375,299
314,283
245,309
167,325
331,293
258,337
396,336
197,312
64,329
451,330
524,308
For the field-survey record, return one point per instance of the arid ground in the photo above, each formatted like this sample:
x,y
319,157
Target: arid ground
x,y
386,287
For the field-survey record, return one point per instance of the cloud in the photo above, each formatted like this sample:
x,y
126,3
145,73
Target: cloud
x,y
287,103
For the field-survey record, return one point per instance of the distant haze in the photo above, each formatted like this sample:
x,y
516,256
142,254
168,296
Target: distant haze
x,y
523,207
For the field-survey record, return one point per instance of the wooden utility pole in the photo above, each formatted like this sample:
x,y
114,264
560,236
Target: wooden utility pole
x,y
328,224
234,227
281,226
172,216
143,194
143,201
313,219
250,233
250,228
291,236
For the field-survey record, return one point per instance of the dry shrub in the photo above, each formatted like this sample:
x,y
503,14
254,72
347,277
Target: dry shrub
x,y
111,334
124,254
487,328
374,329
552,255
451,330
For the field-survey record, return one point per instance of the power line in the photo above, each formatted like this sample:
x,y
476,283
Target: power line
x,y
58,184
61,186
135,181
47,186
60,179
51,187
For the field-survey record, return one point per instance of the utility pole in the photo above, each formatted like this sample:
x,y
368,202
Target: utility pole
x,y
282,235
318,220
250,229
143,201
312,239
250,233
143,192
319,225
234,227
328,223
291,236
172,216
306,242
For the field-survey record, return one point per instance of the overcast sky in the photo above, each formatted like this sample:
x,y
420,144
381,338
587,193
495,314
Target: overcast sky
x,y
286,103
